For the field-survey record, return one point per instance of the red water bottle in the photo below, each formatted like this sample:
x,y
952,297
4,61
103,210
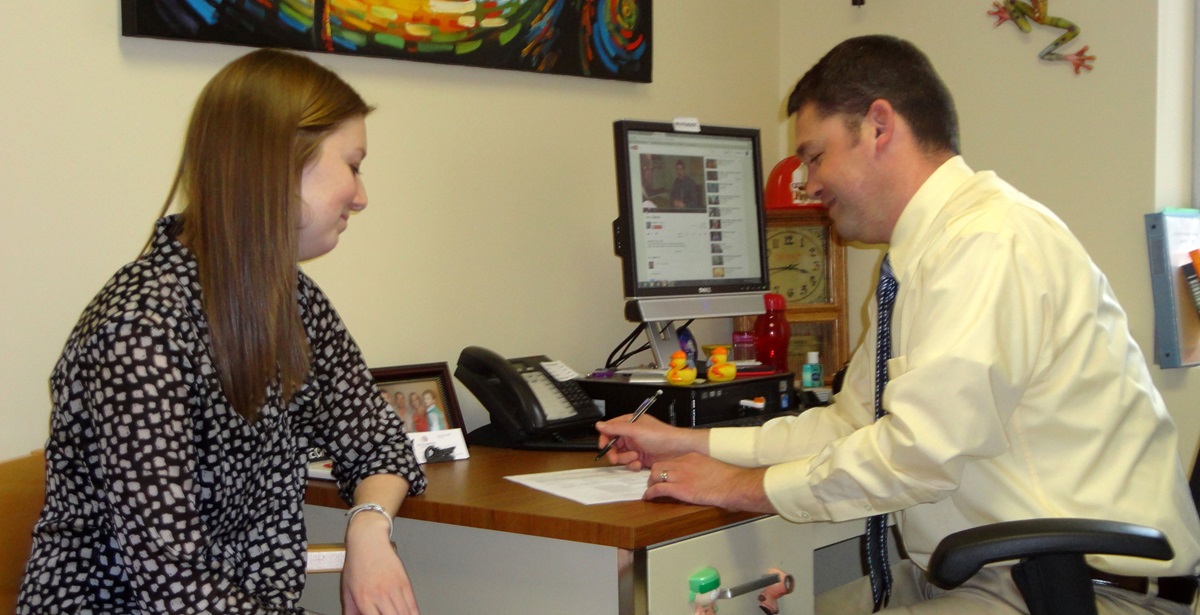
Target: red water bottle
x,y
772,332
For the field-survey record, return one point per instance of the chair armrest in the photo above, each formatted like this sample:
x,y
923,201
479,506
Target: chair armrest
x,y
960,555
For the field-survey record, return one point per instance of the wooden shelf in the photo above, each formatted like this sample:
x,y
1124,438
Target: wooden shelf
x,y
821,325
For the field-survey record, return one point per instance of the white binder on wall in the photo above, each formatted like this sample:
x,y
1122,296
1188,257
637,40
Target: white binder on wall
x,y
1170,235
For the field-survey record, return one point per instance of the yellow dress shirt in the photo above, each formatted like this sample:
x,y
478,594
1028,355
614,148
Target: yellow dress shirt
x,y
1016,391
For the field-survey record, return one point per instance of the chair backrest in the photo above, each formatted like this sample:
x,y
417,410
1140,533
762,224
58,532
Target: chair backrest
x,y
22,492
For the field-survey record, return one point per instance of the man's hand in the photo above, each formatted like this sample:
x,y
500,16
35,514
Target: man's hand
x,y
649,440
681,456
374,579
700,479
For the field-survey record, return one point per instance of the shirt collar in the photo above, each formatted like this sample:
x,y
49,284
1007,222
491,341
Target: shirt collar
x,y
175,258
169,254
917,219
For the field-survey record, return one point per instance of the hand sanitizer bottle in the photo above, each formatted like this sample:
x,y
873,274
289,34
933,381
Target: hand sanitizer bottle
x,y
810,374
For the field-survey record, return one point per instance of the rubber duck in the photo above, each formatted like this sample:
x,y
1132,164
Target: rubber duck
x,y
718,369
682,370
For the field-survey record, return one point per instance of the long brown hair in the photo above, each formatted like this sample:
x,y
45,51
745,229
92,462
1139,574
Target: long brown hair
x,y
255,127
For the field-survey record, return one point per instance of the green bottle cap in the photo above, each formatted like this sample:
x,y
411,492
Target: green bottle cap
x,y
705,581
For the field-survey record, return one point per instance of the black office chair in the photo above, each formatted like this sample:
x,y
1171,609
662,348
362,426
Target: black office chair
x,y
1052,575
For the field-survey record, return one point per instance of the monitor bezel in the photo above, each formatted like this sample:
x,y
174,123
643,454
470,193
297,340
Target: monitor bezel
x,y
625,247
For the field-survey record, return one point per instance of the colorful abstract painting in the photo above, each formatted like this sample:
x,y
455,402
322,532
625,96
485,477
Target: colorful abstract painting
x,y
608,39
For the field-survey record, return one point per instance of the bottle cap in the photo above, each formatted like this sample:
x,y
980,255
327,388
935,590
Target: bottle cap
x,y
814,357
774,301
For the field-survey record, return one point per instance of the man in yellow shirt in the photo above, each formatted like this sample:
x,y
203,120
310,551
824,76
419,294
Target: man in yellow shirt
x,y
1012,388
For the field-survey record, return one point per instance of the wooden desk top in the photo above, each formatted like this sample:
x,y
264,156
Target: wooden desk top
x,y
473,492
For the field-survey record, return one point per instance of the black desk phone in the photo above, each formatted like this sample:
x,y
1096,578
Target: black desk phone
x,y
529,406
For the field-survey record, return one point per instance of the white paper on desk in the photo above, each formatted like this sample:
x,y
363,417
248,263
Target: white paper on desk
x,y
589,485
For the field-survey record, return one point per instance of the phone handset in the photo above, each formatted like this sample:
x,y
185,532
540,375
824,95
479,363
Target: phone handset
x,y
525,398
555,405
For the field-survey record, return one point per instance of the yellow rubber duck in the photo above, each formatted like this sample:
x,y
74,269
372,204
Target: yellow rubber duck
x,y
718,369
682,371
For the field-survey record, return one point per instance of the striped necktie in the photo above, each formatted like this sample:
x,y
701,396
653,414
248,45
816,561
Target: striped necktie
x,y
878,569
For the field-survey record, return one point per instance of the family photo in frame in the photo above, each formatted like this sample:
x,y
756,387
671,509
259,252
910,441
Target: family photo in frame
x,y
423,396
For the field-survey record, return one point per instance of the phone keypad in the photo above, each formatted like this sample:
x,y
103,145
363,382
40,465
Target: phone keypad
x,y
576,395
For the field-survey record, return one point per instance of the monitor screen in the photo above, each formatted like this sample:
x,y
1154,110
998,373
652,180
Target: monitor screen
x,y
690,231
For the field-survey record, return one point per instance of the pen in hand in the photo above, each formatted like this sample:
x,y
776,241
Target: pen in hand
x,y
636,413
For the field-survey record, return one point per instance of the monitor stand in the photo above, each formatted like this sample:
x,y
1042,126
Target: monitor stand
x,y
660,313
664,341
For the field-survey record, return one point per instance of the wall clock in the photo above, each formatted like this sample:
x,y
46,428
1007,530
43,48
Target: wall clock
x,y
799,263
807,265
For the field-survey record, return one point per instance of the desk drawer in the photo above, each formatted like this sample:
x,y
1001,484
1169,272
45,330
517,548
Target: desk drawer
x,y
740,553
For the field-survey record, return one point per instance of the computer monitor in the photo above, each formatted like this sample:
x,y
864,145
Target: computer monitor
x,y
690,230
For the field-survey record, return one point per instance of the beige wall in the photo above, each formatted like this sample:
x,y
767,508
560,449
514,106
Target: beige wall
x,y
472,172
1100,149
491,192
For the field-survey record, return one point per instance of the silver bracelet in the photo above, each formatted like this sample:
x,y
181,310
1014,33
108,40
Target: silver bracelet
x,y
370,506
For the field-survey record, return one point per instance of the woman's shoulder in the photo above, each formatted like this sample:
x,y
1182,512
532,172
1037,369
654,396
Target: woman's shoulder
x,y
141,292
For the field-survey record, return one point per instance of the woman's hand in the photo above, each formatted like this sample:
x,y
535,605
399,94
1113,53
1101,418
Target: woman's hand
x,y
374,580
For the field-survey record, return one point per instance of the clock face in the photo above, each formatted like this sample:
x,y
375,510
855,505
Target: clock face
x,y
798,258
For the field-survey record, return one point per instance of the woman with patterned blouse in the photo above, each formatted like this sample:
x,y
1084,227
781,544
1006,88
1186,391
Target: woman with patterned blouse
x,y
194,383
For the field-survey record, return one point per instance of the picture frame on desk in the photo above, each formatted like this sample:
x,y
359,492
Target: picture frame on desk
x,y
414,384
423,396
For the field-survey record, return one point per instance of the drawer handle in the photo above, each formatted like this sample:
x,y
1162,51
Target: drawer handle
x,y
768,600
705,589
762,582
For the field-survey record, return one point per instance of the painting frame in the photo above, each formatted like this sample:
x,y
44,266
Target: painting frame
x,y
420,380
601,39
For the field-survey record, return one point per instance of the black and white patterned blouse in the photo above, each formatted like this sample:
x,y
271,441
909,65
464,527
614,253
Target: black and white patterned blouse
x,y
159,497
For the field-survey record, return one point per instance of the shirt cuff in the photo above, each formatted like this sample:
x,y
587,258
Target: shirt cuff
x,y
734,445
785,483
793,499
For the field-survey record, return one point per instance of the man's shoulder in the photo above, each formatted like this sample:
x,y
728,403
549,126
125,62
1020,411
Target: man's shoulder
x,y
985,201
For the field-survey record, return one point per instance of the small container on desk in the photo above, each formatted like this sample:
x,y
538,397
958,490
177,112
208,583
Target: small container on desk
x,y
810,373
743,338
